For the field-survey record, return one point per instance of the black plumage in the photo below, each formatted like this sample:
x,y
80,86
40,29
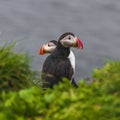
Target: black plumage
x,y
54,69
57,65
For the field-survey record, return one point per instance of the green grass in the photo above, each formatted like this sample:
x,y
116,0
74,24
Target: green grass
x,y
99,100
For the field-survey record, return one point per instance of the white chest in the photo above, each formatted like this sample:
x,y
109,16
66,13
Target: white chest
x,y
72,60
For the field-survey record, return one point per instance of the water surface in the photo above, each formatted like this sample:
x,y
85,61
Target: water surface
x,y
33,22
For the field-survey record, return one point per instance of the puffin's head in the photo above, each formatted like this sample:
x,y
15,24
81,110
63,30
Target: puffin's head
x,y
70,40
48,47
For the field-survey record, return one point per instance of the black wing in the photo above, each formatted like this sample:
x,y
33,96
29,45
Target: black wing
x,y
54,69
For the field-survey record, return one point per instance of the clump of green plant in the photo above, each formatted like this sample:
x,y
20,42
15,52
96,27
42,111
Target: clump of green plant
x,y
99,100
15,72
108,77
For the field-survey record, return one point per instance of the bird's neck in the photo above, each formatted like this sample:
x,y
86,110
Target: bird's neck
x,y
61,51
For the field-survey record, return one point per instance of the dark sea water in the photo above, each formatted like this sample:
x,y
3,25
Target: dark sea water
x,y
33,22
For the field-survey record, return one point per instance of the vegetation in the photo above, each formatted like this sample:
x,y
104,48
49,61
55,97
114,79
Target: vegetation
x,y
15,72
98,100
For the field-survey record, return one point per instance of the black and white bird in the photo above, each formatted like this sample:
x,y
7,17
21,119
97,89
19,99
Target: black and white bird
x,y
49,47
58,64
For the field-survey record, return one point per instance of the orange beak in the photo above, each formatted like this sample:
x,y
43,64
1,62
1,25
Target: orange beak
x,y
41,51
78,44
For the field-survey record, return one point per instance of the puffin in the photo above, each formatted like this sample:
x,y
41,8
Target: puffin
x,y
48,48
57,65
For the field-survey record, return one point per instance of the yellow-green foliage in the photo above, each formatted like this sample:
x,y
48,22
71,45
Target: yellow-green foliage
x,y
99,100
108,77
61,103
15,70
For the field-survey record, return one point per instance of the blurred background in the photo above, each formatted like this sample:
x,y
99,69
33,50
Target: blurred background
x,y
33,22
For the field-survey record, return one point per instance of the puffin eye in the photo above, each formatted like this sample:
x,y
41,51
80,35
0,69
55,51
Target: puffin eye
x,y
69,37
48,45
